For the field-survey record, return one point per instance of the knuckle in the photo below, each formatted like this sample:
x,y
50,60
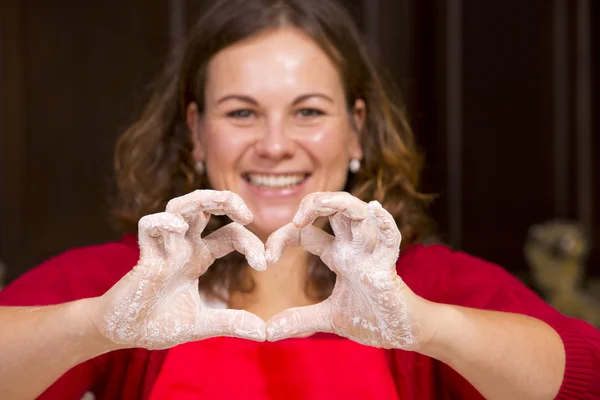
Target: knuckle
x,y
146,221
178,202
237,228
225,196
309,198
234,197
201,195
151,221
346,195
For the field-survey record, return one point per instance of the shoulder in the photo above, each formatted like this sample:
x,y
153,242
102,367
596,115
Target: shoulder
x,y
440,258
77,273
435,271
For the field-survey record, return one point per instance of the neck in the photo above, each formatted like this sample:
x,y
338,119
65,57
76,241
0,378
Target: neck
x,y
281,286
290,273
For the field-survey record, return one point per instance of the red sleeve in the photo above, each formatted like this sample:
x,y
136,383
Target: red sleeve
x,y
461,279
73,275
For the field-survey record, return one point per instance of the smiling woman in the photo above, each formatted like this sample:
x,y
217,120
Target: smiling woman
x,y
276,105
273,116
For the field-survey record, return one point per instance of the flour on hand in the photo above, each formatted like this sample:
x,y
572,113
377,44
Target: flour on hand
x,y
368,303
157,304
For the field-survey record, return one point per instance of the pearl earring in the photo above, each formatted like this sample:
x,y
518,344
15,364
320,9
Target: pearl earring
x,y
354,165
200,167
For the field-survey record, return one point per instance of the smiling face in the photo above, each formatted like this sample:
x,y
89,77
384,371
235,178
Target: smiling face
x,y
275,126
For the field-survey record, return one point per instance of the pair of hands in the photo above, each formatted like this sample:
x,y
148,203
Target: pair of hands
x,y
158,304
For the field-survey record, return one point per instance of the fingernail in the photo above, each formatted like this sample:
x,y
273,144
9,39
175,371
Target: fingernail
x,y
274,258
260,333
374,205
298,218
271,333
258,261
262,261
270,257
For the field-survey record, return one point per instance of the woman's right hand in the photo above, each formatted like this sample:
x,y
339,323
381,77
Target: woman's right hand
x,y
157,305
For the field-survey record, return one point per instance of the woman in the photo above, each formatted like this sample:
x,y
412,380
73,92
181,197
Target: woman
x,y
275,110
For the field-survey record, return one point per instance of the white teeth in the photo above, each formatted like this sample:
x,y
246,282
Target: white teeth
x,y
276,181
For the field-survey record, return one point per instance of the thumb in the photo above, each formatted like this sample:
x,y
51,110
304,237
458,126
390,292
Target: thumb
x,y
235,323
299,321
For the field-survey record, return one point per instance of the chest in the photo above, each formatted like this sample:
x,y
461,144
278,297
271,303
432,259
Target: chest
x,y
266,304
314,368
320,367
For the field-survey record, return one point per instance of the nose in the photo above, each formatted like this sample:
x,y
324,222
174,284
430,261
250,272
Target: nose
x,y
274,143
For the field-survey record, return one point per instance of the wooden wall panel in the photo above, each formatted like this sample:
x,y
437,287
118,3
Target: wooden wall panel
x,y
83,68
594,262
507,126
506,98
11,141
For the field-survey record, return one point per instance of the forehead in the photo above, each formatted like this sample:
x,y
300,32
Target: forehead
x,y
276,60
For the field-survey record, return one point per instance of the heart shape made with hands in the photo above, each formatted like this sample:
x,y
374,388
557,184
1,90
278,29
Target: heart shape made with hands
x,y
158,305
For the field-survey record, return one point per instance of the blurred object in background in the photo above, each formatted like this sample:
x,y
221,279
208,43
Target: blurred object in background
x,y
557,252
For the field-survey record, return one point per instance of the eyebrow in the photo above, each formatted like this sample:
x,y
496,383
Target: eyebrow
x,y
307,96
250,100
239,97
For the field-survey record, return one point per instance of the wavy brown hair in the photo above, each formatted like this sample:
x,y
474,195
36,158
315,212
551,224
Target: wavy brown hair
x,y
154,161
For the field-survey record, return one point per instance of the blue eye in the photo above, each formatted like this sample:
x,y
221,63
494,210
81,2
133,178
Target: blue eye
x,y
241,114
310,112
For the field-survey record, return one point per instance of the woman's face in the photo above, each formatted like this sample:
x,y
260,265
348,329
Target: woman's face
x,y
275,126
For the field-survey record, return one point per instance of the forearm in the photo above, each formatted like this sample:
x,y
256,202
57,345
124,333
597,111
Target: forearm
x,y
503,355
39,344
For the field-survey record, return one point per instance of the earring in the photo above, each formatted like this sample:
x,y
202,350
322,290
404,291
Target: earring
x,y
200,167
354,165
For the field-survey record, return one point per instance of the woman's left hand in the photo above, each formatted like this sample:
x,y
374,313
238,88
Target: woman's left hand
x,y
370,303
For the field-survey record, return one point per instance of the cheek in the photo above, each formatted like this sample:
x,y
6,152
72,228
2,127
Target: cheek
x,y
329,146
223,148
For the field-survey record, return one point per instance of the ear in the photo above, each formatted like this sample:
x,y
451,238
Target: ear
x,y
359,114
193,123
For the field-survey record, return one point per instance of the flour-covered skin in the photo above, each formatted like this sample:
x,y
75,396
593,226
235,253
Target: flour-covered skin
x,y
369,303
157,305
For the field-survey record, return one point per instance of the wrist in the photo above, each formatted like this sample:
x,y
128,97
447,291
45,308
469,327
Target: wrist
x,y
82,316
444,325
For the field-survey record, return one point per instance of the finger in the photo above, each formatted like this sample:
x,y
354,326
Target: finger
x,y
300,321
351,220
196,206
308,212
351,213
283,238
341,207
311,238
387,231
236,237
364,235
159,235
344,203
234,323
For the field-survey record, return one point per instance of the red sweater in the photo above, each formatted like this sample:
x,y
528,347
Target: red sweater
x,y
322,366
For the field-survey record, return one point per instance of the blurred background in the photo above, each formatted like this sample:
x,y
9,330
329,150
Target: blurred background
x,y
504,97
